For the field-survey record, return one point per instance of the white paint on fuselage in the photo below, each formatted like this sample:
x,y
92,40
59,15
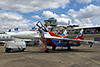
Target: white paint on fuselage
x,y
27,35
5,37
32,35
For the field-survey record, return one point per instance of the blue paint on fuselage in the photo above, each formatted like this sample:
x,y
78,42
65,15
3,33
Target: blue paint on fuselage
x,y
58,43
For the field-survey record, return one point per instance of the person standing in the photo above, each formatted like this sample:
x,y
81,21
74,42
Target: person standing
x,y
43,43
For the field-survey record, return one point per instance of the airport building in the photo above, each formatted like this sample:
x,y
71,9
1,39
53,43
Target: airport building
x,y
90,30
51,24
87,30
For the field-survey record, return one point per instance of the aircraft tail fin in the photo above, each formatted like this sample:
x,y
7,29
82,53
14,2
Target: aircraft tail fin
x,y
34,28
80,35
15,29
9,30
65,33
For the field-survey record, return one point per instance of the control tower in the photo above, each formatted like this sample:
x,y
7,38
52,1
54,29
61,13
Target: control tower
x,y
50,22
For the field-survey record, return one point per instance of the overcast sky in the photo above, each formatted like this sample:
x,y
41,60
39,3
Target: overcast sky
x,y
25,13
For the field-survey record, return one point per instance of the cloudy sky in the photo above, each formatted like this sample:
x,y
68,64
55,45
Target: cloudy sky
x,y
25,13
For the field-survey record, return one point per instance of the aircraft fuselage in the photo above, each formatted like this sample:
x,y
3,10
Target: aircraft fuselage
x,y
36,35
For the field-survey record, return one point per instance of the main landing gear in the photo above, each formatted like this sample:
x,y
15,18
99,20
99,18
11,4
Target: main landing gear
x,y
53,47
68,47
47,50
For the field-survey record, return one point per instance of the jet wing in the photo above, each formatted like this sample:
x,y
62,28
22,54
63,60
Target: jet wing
x,y
69,39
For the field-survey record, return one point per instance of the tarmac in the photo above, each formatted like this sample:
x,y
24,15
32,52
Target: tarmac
x,y
82,56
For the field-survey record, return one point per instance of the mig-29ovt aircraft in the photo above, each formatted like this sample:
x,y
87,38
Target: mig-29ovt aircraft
x,y
51,38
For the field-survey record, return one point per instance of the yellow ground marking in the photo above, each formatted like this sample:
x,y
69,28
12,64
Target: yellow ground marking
x,y
1,46
88,58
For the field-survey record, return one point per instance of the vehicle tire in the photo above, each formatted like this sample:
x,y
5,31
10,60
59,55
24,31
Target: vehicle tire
x,y
7,50
23,50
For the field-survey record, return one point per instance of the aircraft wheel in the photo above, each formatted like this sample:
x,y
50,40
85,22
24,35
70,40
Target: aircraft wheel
x,y
53,47
69,48
47,51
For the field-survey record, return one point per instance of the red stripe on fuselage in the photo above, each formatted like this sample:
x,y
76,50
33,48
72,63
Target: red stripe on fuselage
x,y
52,43
53,34
64,36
